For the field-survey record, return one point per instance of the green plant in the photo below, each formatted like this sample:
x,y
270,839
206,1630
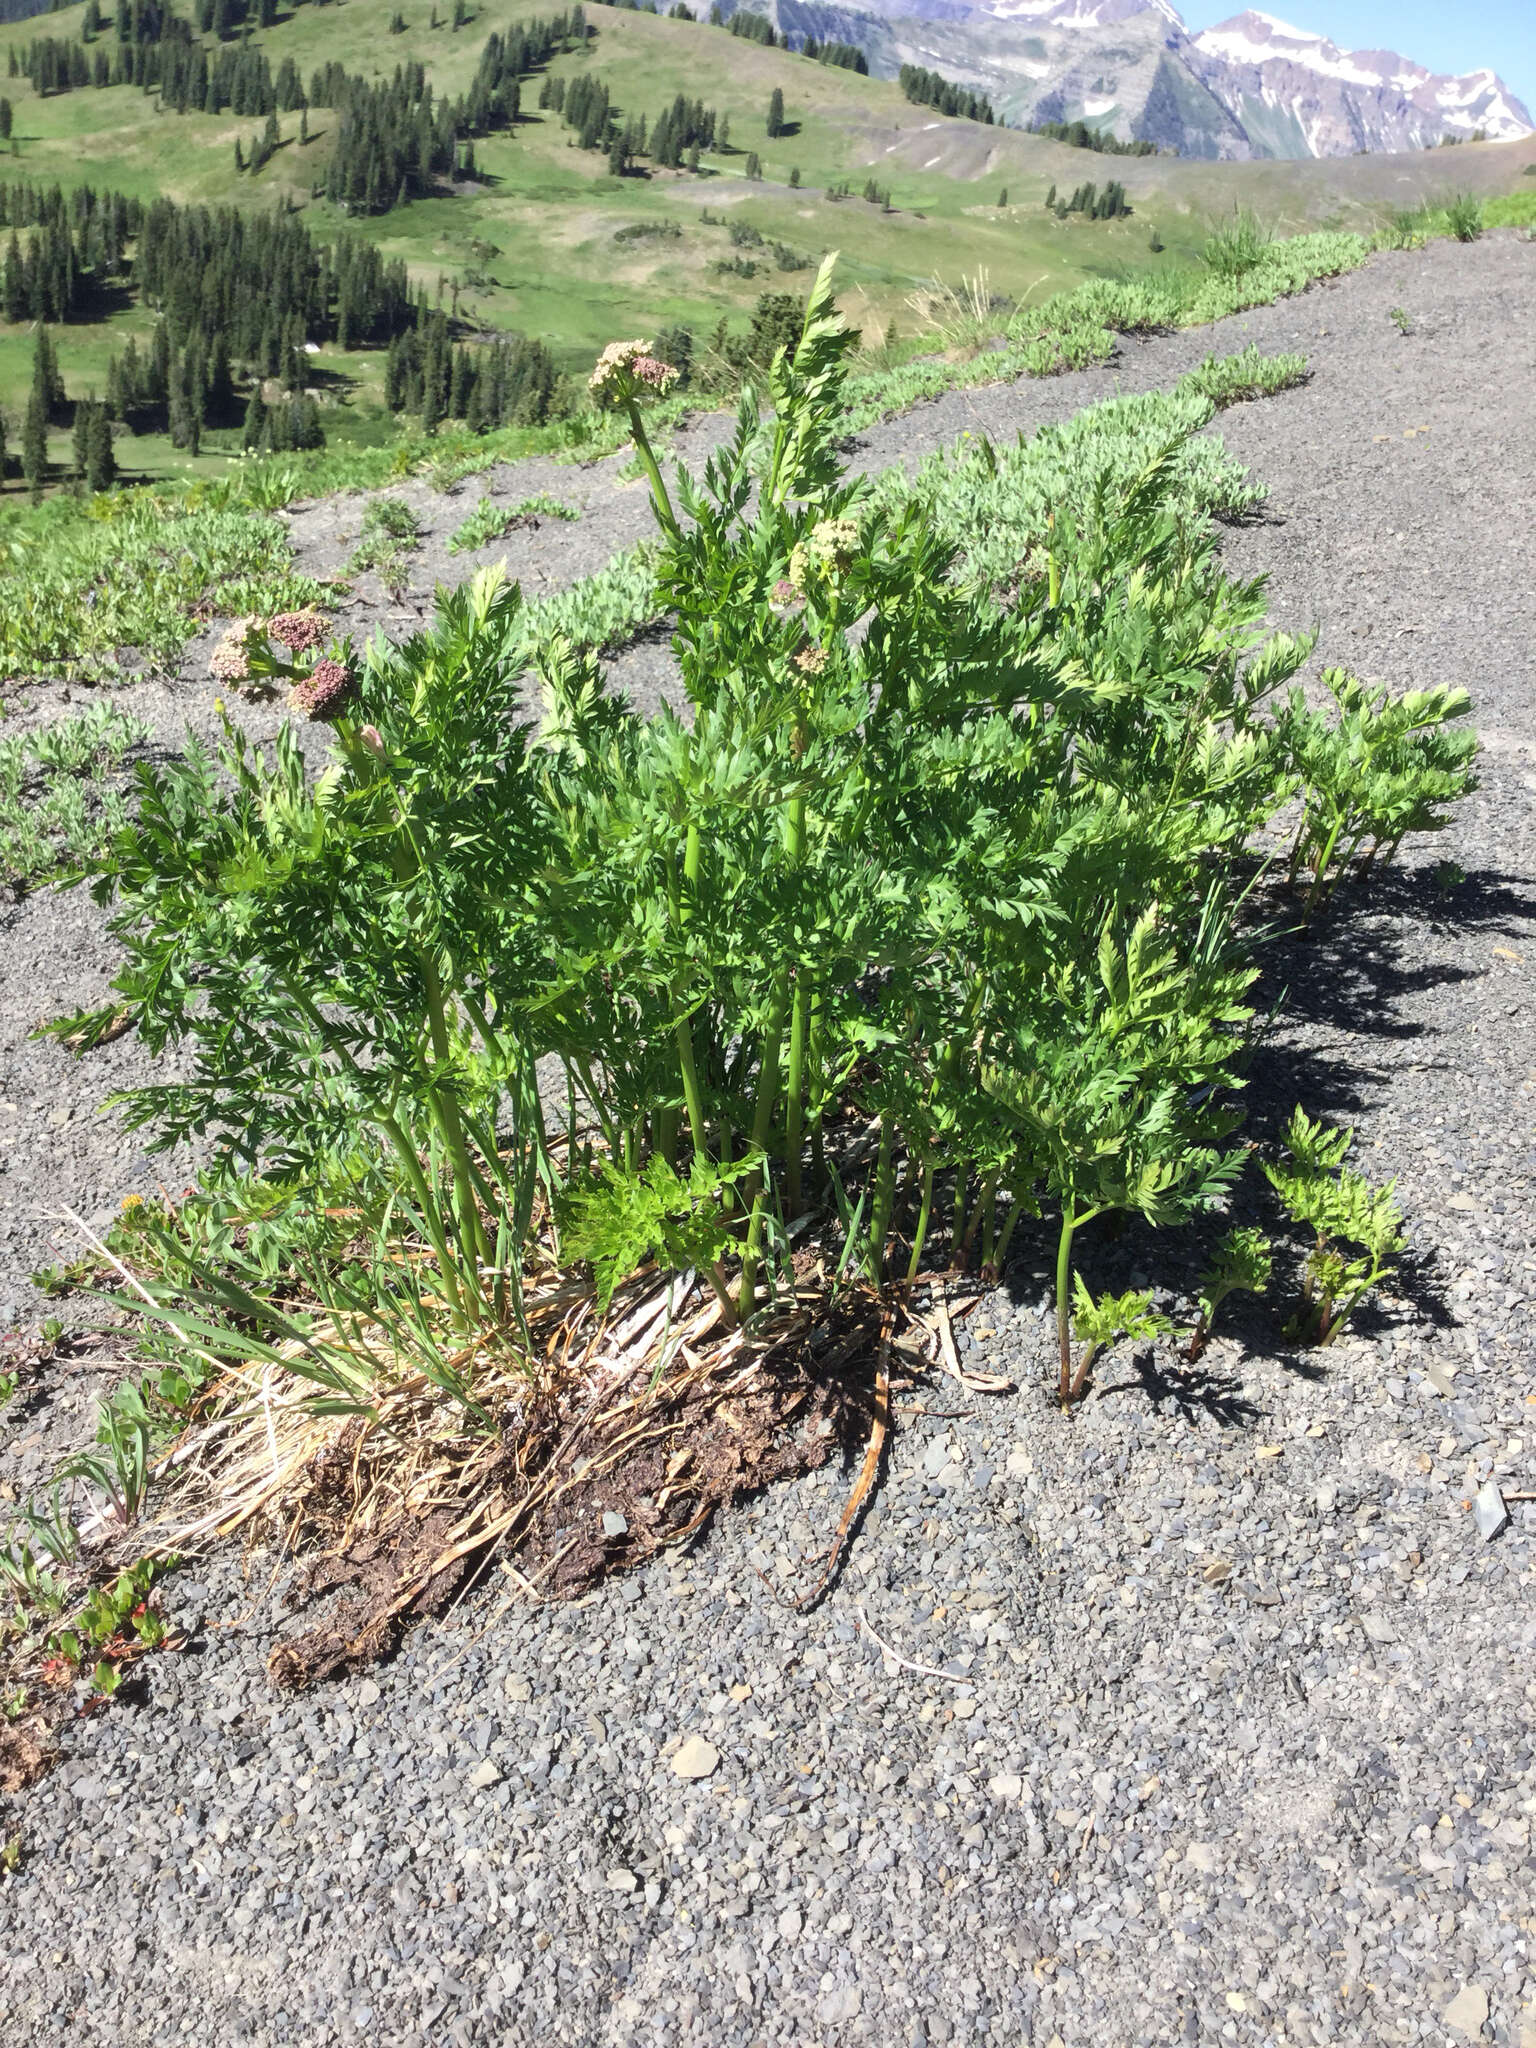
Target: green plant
x,y
10,1855
489,521
1344,1212
390,560
114,1624
391,516
1234,250
8,1386
918,889
1241,1266
1400,320
1464,217
58,803
1097,1323
63,1279
1384,766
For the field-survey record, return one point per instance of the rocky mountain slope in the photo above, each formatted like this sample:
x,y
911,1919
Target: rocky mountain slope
x,y
1250,87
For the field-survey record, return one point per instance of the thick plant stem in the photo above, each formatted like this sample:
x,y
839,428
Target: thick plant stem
x,y
816,1038
885,1186
794,1092
693,1094
799,1027
762,1123
920,1235
666,518
1064,1300
664,1123
982,1211
445,1114
1006,1236
431,1217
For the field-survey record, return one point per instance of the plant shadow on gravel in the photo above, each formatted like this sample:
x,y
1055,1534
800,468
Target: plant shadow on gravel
x,y
1196,1391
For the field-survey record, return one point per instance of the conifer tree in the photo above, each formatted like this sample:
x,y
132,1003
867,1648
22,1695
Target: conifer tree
x,y
47,384
254,429
754,164
776,112
14,290
100,461
34,446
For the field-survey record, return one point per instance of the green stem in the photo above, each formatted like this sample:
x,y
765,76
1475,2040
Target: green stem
x,y
431,1215
762,1121
693,1094
1080,1377
799,1029
1009,1224
666,518
815,1053
920,1235
1064,1300
983,1208
445,1114
794,1091
664,1126
880,1209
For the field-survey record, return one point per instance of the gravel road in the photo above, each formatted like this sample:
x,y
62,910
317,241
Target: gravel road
x,y
1231,1737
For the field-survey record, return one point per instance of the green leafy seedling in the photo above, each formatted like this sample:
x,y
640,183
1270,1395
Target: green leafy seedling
x,y
1241,1266
1097,1323
1346,1215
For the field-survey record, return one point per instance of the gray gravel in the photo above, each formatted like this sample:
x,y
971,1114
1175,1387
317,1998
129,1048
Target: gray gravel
x,y
1236,1738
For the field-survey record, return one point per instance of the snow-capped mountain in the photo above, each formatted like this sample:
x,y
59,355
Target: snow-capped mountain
x,y
1298,94
1252,86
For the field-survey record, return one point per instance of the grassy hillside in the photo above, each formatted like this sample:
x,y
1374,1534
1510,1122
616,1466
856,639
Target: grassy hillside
x,y
537,242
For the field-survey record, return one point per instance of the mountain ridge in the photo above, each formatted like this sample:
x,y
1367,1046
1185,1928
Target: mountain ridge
x,y
1251,86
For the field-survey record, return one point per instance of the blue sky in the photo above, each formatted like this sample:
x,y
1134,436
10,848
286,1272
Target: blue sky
x,y
1500,33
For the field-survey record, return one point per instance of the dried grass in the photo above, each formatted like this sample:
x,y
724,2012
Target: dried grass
x,y
653,1415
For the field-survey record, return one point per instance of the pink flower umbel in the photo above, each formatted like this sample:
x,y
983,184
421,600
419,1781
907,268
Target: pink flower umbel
x,y
625,365
324,691
299,632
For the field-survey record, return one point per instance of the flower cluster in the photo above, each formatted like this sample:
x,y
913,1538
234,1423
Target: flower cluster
x,y
829,550
230,661
324,691
625,364
812,660
300,632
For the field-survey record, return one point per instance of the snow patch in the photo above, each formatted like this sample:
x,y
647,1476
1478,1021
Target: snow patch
x,y
1094,107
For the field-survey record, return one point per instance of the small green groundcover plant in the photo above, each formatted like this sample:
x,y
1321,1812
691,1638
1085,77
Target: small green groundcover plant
x,y
927,915
61,796
489,521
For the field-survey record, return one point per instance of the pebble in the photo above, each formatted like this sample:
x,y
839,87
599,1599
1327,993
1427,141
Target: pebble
x,y
1489,1512
696,1759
